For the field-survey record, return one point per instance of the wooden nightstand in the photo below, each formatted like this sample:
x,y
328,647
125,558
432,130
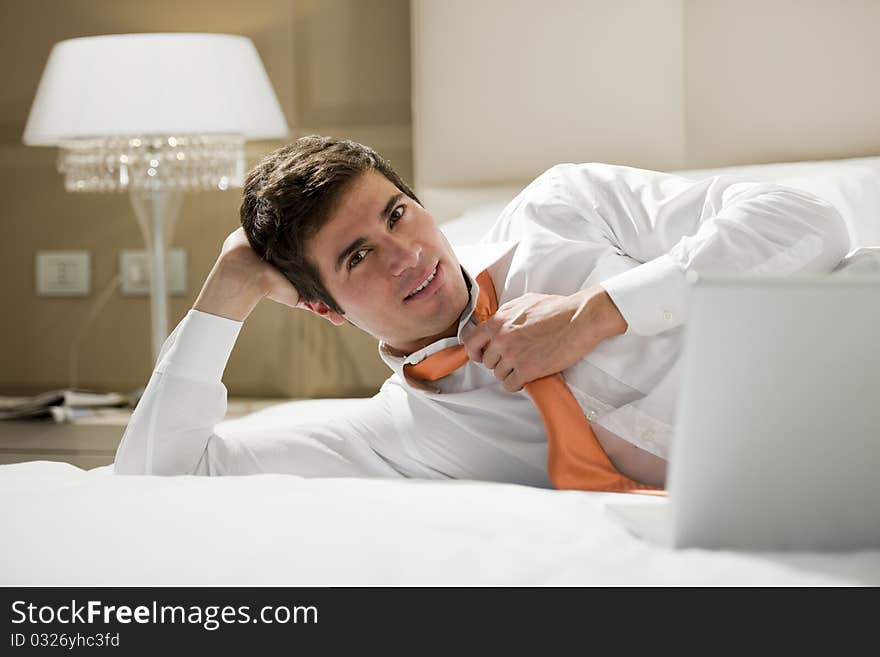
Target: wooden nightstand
x,y
87,443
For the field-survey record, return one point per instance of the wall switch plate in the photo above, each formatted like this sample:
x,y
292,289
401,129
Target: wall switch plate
x,y
134,269
63,273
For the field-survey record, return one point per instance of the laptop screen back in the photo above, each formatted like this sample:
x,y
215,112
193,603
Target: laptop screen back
x,y
777,440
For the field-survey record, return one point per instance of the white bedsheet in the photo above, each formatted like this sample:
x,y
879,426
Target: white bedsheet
x,y
66,526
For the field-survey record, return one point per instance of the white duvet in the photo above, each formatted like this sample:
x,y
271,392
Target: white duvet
x,y
66,526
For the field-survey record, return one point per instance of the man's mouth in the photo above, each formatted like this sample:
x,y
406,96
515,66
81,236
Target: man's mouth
x,y
425,287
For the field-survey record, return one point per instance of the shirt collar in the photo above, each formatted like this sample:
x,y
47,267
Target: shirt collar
x,y
474,258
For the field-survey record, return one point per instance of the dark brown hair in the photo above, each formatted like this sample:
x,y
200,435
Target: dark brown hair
x,y
291,194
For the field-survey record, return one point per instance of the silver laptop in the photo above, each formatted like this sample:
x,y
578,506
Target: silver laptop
x,y
777,433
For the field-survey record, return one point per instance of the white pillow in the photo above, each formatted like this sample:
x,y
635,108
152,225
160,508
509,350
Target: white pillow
x,y
473,223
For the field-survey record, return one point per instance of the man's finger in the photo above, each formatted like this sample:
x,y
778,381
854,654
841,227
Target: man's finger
x,y
502,370
491,358
475,341
512,382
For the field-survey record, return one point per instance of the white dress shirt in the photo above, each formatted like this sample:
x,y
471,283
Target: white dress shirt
x,y
638,233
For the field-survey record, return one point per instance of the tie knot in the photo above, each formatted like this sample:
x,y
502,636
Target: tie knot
x,y
487,300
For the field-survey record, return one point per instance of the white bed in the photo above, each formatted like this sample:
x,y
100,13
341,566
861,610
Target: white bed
x,y
66,526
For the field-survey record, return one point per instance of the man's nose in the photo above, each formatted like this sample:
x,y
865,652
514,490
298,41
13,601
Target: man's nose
x,y
402,254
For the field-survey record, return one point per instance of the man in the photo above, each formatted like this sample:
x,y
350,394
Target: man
x,y
588,265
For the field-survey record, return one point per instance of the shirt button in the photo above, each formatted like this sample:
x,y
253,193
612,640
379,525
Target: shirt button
x,y
591,415
667,315
648,433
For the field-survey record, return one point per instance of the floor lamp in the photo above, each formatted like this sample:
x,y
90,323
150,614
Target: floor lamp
x,y
155,115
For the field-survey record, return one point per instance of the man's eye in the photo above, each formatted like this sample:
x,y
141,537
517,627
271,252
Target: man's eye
x,y
356,258
397,214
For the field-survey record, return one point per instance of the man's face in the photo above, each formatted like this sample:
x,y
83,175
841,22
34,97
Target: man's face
x,y
376,249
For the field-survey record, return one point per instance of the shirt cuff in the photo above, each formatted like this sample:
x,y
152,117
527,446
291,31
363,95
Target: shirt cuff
x,y
201,346
651,296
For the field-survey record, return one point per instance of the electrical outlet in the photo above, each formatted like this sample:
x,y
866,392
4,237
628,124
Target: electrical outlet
x,y
134,268
63,273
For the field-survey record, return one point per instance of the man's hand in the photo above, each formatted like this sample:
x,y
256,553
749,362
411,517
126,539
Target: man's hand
x,y
239,279
540,334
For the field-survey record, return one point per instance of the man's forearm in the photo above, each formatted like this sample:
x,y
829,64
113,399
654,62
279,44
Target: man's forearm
x,y
597,316
231,290
185,398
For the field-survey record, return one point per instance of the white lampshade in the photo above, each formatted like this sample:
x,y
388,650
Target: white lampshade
x,y
154,84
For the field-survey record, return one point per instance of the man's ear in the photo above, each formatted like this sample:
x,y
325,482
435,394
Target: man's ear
x,y
323,310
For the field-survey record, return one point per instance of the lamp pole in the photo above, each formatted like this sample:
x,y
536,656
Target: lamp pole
x,y
156,212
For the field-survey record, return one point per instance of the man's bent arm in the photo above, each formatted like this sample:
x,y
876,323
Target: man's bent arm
x,y
720,225
184,399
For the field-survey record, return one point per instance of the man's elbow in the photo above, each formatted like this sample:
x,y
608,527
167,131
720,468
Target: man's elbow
x,y
829,227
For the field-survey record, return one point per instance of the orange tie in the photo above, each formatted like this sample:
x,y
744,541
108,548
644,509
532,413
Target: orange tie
x,y
575,459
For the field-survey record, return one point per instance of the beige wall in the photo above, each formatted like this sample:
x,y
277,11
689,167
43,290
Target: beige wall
x,y
522,85
338,66
780,80
659,84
